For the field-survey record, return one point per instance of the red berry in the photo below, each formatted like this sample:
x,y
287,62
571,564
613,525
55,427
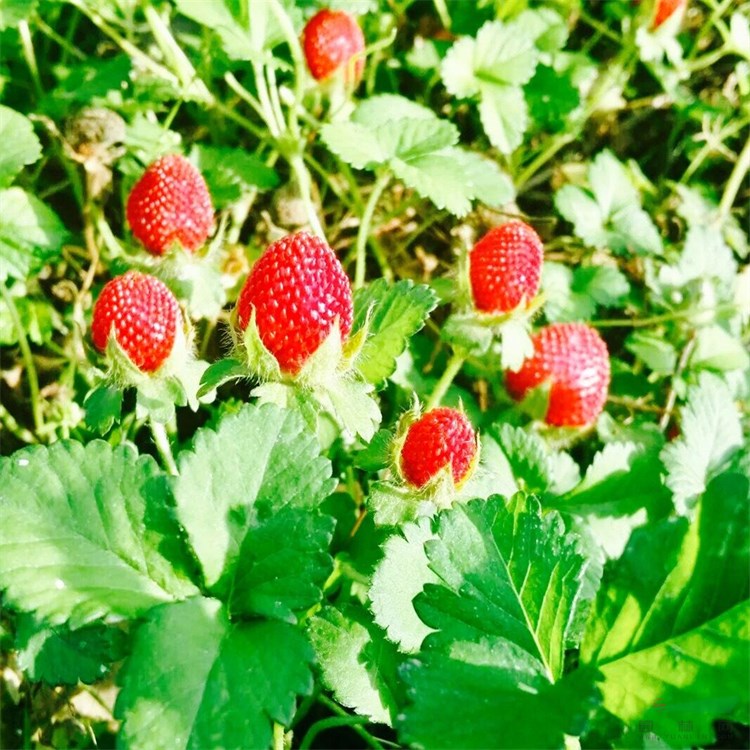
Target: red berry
x,y
504,267
665,9
574,359
332,38
170,205
143,314
441,437
298,288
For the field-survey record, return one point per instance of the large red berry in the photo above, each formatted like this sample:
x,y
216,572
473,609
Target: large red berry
x,y
143,315
504,267
332,38
170,205
297,288
574,359
665,9
441,437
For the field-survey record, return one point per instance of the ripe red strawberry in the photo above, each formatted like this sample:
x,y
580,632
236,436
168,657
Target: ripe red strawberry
x,y
170,205
441,437
665,9
142,313
574,359
504,267
332,38
297,288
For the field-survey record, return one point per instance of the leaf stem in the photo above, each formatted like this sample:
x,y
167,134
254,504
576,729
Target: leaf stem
x,y
278,736
364,229
304,183
455,363
27,45
655,319
163,446
361,731
28,360
735,181
330,723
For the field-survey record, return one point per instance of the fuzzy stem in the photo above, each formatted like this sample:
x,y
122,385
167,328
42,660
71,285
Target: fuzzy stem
x,y
28,360
455,363
364,228
29,55
735,181
304,183
163,446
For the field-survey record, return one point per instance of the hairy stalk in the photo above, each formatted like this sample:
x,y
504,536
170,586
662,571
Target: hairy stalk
x,y
364,230
28,361
163,446
455,363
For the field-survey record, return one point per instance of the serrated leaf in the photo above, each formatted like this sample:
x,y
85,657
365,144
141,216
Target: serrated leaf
x,y
705,255
197,680
610,183
483,178
466,332
484,695
357,663
257,462
411,138
60,655
516,344
505,572
20,144
352,403
654,351
87,533
710,433
103,408
357,144
527,454
220,372
670,626
546,27
392,505
382,108
504,116
457,69
393,313
583,212
399,577
551,96
283,564
31,234
716,349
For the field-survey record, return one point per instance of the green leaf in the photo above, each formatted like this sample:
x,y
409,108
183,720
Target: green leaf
x,y
31,234
60,655
39,319
87,533
654,351
197,680
103,408
705,255
357,144
20,144
12,12
505,572
352,403
393,313
710,433
382,108
483,178
398,578
527,454
551,97
485,695
357,663
283,564
504,115
220,372
716,349
669,629
236,478
583,212
411,138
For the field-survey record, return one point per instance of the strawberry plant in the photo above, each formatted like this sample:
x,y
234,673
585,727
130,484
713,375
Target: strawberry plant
x,y
375,374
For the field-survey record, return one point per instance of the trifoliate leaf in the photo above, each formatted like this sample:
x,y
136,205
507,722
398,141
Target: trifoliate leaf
x,y
486,695
60,655
357,662
669,629
710,432
611,184
96,523
716,349
31,234
196,679
393,314
20,144
504,572
398,578
236,478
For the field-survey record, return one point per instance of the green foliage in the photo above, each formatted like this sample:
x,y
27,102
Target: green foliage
x,y
20,144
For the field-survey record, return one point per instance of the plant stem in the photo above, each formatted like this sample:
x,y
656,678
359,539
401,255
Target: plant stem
x,y
330,723
735,181
655,319
455,363
336,709
364,228
27,46
163,446
28,360
278,736
304,183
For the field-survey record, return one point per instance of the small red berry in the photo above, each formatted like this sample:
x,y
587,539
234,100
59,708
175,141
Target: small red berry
x,y
441,437
142,313
574,359
297,288
505,267
332,38
170,205
665,9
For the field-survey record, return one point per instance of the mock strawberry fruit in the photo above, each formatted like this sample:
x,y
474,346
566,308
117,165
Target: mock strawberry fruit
x,y
505,267
574,359
170,205
298,289
332,39
439,438
142,314
666,9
